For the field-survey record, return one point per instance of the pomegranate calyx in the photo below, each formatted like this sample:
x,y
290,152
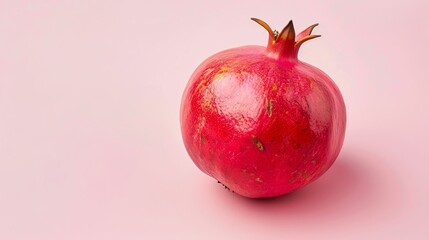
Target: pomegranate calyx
x,y
302,40
286,44
306,32
272,36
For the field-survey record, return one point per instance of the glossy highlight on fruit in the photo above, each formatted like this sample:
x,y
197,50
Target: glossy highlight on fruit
x,y
260,121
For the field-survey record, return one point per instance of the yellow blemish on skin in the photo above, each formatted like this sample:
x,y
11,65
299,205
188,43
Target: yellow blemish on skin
x,y
224,68
201,86
274,88
206,101
303,176
222,72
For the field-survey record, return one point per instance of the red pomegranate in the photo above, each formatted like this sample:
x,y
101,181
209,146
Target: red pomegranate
x,y
259,120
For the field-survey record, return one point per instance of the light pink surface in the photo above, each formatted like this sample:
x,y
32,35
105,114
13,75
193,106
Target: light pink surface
x,y
90,144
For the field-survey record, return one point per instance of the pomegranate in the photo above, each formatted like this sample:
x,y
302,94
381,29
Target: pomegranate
x,y
260,121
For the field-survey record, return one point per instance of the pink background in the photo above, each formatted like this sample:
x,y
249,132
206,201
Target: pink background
x,y
90,144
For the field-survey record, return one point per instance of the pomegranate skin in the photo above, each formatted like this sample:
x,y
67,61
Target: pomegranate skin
x,y
260,121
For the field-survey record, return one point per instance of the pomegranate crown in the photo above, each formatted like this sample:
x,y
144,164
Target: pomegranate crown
x,y
285,45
